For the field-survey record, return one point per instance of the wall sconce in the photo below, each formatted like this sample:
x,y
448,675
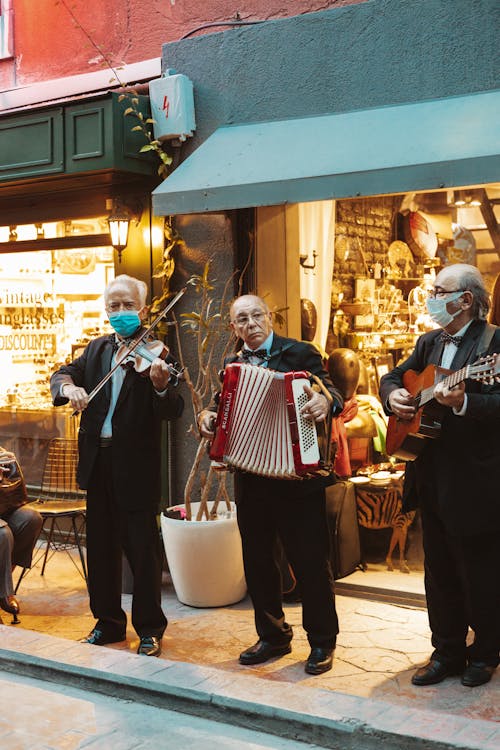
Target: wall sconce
x,y
303,260
119,224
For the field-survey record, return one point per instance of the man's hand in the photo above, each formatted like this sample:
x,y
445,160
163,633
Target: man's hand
x,y
317,406
206,423
78,397
159,374
401,404
453,397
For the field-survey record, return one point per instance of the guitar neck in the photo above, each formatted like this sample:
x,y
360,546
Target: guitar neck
x,y
450,381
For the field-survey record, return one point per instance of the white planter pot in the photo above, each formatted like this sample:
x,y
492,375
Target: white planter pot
x,y
205,559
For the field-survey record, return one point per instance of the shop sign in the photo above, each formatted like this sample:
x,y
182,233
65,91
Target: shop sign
x,y
28,342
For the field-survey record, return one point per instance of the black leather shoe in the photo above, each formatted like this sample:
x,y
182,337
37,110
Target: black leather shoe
x,y
97,637
435,671
9,604
149,646
263,651
320,660
477,673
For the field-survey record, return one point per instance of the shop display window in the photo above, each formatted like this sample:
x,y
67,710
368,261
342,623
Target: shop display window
x,y
382,254
50,302
51,305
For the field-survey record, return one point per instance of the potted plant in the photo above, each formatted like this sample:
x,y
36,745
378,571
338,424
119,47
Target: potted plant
x,y
201,536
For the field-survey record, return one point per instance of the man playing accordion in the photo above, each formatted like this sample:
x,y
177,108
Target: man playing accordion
x,y
292,510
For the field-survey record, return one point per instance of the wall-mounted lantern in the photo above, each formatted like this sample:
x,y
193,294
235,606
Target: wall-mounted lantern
x,y
119,223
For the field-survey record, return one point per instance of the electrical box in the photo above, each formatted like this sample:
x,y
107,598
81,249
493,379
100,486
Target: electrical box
x,y
172,106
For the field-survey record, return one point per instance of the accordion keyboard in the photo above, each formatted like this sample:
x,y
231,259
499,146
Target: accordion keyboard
x,y
259,426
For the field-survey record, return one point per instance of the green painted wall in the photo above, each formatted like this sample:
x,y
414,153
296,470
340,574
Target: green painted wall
x,y
354,57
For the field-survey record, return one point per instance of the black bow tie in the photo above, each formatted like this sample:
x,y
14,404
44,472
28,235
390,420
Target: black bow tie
x,y
246,354
446,338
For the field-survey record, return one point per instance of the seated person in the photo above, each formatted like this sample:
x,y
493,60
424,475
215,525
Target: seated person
x,y
19,529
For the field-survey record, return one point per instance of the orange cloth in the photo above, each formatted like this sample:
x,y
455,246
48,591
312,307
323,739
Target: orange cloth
x,y
342,464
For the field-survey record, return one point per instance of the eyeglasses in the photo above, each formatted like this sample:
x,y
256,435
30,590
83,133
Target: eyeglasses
x,y
117,306
243,320
438,292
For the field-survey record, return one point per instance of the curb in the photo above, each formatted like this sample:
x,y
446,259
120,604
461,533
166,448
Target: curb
x,y
316,716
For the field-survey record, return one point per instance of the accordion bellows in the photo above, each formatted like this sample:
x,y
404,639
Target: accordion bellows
x,y
259,427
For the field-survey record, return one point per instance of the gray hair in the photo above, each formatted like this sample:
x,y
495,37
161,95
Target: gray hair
x,y
258,301
470,280
140,286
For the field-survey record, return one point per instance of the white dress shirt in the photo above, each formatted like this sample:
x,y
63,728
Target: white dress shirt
x,y
267,345
117,379
449,351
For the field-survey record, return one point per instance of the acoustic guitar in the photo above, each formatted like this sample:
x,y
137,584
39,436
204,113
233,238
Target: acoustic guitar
x,y
406,438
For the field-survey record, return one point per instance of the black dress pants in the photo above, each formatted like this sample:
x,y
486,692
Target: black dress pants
x,y
111,532
19,531
463,590
268,509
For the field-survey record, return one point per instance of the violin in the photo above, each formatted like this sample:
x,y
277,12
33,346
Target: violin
x,y
143,355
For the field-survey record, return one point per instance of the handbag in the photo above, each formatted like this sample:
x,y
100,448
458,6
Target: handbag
x,y
13,493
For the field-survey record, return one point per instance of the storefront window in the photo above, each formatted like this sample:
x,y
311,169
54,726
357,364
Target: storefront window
x,y
51,305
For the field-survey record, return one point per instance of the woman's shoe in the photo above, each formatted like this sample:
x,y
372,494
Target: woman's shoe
x,y
11,605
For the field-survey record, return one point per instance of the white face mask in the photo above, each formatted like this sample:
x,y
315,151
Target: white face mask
x,y
438,312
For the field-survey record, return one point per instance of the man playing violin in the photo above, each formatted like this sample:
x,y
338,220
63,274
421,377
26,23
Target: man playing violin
x,y
119,466
454,481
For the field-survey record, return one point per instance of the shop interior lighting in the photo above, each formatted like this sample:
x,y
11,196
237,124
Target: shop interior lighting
x,y
49,230
464,198
26,232
38,233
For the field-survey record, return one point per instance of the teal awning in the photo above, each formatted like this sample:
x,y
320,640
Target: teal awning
x,y
428,145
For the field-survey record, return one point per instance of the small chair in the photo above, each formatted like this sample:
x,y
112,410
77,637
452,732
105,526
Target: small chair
x,y
61,498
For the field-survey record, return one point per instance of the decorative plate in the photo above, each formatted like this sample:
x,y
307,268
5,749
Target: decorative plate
x,y
400,257
420,235
342,247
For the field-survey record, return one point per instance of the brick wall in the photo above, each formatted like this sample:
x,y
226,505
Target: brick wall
x,y
364,230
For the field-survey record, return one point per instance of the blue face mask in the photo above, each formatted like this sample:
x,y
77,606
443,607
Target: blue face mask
x,y
125,322
438,312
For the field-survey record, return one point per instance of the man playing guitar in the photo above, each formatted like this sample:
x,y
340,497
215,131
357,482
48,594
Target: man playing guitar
x,y
454,479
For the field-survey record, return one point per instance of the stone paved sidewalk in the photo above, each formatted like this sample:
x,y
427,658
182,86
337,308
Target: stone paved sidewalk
x,y
367,694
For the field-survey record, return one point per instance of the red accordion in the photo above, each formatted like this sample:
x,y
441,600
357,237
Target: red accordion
x,y
259,427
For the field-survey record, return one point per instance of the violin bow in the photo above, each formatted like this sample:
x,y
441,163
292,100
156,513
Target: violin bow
x,y
133,344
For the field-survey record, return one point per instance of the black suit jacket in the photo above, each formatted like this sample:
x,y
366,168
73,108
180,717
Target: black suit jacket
x,y
136,424
459,471
287,355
